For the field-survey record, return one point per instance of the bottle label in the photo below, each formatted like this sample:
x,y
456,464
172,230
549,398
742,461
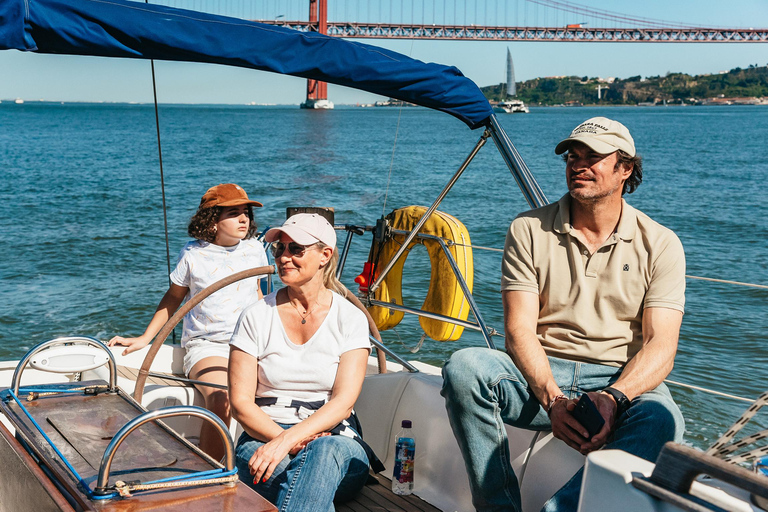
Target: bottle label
x,y
404,453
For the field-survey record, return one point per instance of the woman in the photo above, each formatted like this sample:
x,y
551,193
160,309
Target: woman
x,y
302,352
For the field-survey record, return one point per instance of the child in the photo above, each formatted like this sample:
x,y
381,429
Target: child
x,y
224,229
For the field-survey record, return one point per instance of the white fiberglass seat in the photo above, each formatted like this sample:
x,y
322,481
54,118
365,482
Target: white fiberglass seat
x,y
440,477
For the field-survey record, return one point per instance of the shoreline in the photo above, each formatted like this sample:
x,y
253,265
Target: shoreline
x,y
348,106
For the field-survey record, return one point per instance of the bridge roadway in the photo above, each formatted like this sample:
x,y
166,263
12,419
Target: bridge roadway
x,y
554,34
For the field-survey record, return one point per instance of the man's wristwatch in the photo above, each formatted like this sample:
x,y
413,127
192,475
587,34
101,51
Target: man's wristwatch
x,y
622,402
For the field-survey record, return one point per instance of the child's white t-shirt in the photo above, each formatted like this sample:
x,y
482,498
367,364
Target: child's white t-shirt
x,y
200,265
288,371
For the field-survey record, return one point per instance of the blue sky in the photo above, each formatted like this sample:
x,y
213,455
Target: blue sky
x,y
64,78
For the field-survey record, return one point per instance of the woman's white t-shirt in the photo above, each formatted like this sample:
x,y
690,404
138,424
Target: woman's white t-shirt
x,y
288,371
200,265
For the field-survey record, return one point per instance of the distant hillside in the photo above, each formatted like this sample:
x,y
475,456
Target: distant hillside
x,y
674,88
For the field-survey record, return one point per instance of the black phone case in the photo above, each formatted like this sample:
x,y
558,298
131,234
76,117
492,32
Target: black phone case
x,y
587,414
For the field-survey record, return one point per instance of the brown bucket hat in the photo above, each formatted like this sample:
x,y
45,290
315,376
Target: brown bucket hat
x,y
226,194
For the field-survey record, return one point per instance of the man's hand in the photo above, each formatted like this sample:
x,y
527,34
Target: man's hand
x,y
571,432
564,425
606,405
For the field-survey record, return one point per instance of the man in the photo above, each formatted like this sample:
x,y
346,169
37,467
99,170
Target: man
x,y
593,294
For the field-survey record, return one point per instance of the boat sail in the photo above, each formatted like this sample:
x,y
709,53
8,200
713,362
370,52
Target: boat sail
x,y
510,105
511,86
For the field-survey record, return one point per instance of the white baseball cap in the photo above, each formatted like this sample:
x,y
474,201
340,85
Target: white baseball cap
x,y
305,229
603,135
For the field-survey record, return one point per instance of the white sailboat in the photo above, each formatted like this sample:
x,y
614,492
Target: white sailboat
x,y
511,105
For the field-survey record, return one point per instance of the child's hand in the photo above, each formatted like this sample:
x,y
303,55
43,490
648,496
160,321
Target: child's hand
x,y
133,344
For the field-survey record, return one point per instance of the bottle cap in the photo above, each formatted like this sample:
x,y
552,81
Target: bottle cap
x,y
406,424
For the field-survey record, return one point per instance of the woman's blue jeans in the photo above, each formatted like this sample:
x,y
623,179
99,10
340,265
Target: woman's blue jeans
x,y
331,467
483,390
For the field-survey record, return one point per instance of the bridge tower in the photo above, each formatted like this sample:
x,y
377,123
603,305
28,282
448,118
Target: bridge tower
x,y
317,91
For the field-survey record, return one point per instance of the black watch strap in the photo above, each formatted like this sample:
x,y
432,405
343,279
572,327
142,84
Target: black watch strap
x,y
622,402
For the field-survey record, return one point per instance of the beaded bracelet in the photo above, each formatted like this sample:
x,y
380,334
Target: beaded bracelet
x,y
552,402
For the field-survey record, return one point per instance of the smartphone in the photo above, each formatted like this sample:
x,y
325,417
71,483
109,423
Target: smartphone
x,y
587,414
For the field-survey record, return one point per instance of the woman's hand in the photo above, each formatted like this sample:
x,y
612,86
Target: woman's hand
x,y
266,458
304,442
133,344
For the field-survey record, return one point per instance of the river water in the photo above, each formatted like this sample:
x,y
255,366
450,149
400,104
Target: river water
x,y
84,249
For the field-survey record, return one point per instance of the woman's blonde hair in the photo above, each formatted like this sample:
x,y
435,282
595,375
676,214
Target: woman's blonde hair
x,y
329,273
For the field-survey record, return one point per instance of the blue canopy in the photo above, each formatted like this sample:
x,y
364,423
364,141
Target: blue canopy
x,y
120,28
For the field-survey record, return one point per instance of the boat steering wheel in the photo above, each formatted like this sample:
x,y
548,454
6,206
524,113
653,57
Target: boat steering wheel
x,y
141,380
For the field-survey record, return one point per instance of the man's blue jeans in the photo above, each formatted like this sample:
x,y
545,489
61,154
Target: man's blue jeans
x,y
331,467
483,390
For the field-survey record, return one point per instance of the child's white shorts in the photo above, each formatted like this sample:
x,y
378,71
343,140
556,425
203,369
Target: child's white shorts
x,y
199,349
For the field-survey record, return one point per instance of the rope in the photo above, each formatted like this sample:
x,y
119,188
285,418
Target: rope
x,y
35,393
724,446
125,489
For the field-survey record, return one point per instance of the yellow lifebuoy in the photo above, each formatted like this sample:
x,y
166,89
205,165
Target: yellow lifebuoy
x,y
445,296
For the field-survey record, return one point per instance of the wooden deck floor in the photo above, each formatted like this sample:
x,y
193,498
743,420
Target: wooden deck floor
x,y
379,498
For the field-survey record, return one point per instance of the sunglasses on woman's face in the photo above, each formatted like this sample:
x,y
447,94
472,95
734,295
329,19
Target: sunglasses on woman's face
x,y
294,249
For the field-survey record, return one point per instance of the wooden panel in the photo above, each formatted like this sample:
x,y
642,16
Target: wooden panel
x,y
94,416
23,485
379,497
133,373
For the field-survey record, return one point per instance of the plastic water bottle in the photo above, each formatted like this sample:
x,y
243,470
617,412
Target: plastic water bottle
x,y
405,448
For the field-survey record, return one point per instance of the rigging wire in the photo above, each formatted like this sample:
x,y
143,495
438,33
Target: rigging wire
x,y
711,279
394,147
710,391
162,176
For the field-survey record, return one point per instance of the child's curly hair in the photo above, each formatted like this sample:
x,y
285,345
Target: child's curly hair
x,y
202,225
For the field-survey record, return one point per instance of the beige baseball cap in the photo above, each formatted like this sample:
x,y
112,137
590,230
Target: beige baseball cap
x,y
603,135
305,229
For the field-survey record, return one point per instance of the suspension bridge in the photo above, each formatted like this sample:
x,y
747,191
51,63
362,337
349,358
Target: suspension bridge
x,y
485,20
468,20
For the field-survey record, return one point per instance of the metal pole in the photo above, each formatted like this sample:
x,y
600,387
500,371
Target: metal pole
x,y
106,460
344,253
480,325
380,346
16,379
426,314
467,295
525,180
428,213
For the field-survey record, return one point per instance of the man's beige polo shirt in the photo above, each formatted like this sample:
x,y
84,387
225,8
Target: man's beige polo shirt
x,y
591,305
